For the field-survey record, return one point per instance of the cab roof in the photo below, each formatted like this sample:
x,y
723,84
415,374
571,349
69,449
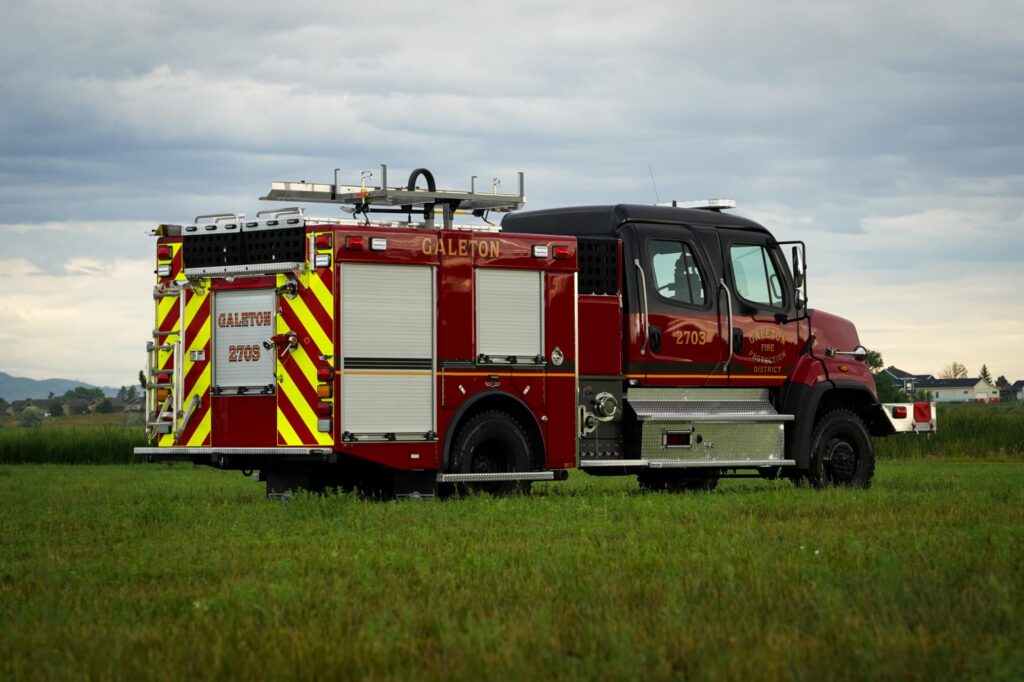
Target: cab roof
x,y
605,221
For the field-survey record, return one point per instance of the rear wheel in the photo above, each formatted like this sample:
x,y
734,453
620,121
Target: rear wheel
x,y
842,454
492,442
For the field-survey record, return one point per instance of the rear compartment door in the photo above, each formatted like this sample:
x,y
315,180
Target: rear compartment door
x,y
387,332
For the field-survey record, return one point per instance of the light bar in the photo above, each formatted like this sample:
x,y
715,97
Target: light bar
x,y
715,204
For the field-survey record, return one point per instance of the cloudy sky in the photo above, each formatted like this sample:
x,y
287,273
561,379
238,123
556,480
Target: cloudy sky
x,y
886,135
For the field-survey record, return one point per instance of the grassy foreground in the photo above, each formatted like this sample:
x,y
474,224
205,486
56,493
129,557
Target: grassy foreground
x,y
155,572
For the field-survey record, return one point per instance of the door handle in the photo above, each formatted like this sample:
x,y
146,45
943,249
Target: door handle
x,y
655,339
643,299
737,341
728,300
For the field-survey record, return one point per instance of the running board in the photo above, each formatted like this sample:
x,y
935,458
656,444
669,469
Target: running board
x,y
552,475
687,463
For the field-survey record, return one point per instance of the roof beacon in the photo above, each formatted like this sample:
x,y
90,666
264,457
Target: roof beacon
x,y
703,204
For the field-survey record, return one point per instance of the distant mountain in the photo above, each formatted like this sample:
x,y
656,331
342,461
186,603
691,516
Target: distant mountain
x,y
18,388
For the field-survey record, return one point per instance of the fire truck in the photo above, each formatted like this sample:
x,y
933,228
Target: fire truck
x,y
407,355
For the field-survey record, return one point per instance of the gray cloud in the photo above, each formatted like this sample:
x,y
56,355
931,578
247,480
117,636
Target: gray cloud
x,y
885,135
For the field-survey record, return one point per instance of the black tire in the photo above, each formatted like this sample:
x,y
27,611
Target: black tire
x,y
842,453
675,481
493,442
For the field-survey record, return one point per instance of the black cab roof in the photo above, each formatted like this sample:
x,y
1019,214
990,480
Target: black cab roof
x,y
580,221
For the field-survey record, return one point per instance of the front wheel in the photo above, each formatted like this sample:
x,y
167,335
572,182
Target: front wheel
x,y
842,454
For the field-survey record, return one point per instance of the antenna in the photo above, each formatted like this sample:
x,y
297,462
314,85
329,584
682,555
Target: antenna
x,y
650,169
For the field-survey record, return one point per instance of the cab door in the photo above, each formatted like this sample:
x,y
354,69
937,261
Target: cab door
x,y
685,345
765,334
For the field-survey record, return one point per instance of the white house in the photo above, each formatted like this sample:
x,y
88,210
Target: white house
x,y
949,390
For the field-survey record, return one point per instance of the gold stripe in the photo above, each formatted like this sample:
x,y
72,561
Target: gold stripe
x,y
560,375
706,376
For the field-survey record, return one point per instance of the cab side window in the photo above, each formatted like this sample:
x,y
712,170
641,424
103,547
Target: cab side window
x,y
675,272
757,279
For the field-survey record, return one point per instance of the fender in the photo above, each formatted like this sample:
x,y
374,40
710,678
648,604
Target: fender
x,y
449,435
803,402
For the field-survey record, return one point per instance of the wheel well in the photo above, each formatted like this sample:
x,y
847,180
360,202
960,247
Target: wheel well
x,y
861,403
503,403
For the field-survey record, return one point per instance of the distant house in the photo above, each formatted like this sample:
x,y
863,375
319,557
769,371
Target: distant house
x,y
945,390
1018,390
135,405
76,406
905,380
18,406
4,406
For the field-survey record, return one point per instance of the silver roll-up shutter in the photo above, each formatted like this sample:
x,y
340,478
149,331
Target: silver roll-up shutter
x,y
509,313
387,334
242,321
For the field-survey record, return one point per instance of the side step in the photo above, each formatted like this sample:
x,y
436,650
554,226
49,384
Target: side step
x,y
701,427
551,475
685,463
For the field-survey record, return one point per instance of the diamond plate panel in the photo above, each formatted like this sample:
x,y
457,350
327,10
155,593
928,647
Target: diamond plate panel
x,y
714,442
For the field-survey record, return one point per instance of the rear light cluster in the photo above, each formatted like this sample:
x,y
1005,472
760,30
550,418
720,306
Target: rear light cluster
x,y
325,400
357,242
556,251
323,245
164,254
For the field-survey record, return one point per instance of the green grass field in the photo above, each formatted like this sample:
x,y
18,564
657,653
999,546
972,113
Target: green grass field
x,y
157,572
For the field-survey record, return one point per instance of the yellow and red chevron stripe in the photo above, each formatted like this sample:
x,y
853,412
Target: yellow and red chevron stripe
x,y
168,319
197,372
310,316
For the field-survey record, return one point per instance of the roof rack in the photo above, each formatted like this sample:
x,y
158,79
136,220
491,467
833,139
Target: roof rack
x,y
364,198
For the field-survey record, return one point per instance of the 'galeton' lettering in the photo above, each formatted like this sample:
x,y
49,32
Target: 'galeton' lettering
x,y
257,319
485,248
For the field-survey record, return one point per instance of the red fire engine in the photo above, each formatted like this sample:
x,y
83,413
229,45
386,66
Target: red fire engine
x,y
404,357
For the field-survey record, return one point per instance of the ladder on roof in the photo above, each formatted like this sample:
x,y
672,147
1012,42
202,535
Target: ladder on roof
x,y
364,198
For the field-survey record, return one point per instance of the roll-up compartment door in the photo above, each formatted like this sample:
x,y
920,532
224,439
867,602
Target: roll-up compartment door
x,y
242,321
387,334
509,314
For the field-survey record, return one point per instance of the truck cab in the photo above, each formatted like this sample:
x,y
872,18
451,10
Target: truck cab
x,y
720,370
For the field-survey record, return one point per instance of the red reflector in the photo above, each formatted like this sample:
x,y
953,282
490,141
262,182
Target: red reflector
x,y
163,378
922,412
324,409
164,252
323,241
355,243
324,374
561,252
677,439
899,413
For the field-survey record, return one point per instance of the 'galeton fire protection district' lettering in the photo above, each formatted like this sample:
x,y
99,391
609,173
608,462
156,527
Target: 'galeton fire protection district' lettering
x,y
485,248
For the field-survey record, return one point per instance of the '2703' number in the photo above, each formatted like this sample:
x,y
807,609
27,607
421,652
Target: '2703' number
x,y
687,337
243,353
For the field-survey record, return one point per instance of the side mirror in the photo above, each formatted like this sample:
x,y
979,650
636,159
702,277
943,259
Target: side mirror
x,y
798,271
